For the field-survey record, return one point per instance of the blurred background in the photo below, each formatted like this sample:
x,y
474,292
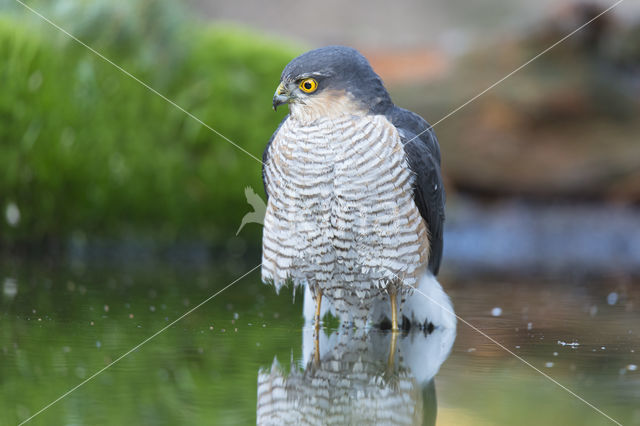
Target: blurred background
x,y
542,172
119,212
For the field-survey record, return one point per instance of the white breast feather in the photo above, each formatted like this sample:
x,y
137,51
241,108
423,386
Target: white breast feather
x,y
341,213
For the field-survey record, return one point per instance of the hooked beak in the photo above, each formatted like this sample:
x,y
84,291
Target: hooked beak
x,y
281,96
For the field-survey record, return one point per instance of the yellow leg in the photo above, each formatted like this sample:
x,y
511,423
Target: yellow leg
x,y
394,311
316,346
318,305
392,351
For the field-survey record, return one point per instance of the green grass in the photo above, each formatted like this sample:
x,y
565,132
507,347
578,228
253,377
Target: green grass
x,y
87,151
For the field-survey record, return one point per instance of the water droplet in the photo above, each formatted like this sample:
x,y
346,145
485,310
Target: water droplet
x,y
555,354
548,364
496,312
10,287
632,367
12,214
529,326
612,298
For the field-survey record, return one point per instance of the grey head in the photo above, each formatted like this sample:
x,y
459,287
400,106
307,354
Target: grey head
x,y
331,78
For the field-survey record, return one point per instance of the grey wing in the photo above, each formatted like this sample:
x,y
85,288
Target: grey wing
x,y
423,155
265,155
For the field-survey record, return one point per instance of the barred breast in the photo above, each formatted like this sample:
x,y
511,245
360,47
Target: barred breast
x,y
341,215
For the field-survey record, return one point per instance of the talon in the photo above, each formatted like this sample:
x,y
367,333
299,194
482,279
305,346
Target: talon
x,y
406,323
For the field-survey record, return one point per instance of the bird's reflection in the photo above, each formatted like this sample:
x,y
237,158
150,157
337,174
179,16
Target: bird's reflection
x,y
357,377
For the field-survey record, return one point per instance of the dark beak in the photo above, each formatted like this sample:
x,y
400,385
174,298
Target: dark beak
x,y
280,97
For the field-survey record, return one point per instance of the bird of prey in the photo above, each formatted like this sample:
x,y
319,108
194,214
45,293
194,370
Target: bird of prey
x,y
355,206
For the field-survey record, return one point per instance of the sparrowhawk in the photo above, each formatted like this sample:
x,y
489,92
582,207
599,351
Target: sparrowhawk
x,y
355,206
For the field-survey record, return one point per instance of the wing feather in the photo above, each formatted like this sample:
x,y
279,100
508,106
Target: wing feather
x,y
423,155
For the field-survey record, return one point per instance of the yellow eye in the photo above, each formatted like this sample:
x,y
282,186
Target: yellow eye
x,y
308,85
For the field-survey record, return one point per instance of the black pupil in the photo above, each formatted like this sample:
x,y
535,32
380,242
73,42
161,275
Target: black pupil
x,y
307,85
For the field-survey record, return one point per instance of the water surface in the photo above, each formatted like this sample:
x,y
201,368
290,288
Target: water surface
x,y
61,323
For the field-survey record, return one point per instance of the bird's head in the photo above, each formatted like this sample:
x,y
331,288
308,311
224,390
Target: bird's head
x,y
331,81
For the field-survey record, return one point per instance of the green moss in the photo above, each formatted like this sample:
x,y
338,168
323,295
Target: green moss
x,y
86,149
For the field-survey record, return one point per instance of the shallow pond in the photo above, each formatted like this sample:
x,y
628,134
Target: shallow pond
x,y
246,352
